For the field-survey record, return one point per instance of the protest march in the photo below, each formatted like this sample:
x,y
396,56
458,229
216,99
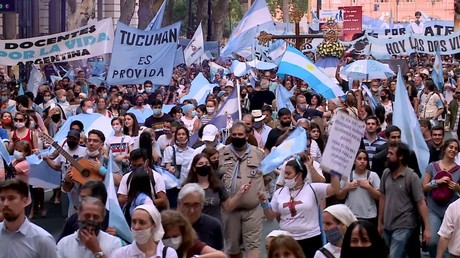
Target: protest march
x,y
343,142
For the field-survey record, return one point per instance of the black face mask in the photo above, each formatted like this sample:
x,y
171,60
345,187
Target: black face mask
x,y
361,252
91,225
383,97
203,171
72,145
215,165
238,142
140,104
56,117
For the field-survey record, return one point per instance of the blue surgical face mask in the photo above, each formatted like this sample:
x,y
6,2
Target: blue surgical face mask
x,y
333,236
194,113
156,112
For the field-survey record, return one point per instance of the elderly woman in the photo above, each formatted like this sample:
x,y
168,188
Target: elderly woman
x,y
147,232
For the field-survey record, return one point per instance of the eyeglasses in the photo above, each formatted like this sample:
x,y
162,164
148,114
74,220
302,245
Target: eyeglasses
x,y
190,206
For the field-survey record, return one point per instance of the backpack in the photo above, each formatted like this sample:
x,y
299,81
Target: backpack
x,y
442,193
326,252
367,176
10,171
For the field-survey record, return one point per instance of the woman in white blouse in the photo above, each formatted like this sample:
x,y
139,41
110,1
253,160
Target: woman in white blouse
x,y
297,204
147,232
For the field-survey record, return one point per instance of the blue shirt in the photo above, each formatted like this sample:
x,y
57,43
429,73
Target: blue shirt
x,y
29,241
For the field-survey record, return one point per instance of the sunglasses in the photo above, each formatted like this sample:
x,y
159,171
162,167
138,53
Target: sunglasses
x,y
19,120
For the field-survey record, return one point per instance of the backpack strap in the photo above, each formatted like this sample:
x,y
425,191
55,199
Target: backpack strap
x,y
351,176
165,250
368,174
326,252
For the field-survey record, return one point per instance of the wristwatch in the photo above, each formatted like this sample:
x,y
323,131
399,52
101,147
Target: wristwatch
x,y
99,254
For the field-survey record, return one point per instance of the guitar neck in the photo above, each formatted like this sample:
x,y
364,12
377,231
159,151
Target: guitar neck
x,y
66,155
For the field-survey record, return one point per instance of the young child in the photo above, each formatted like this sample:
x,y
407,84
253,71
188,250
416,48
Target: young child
x,y
20,164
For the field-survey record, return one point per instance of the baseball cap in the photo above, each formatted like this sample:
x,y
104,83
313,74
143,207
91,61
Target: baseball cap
x,y
74,134
210,132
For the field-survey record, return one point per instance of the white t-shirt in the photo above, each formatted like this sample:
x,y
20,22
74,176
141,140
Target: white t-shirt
x,y
163,142
189,123
316,165
335,251
304,222
120,144
159,183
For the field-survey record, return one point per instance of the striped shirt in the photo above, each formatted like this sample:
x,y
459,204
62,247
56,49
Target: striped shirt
x,y
371,147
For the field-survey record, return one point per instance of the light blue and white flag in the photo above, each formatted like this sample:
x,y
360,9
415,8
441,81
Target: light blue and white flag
x,y
261,65
179,58
170,180
70,74
404,117
143,55
239,68
141,115
214,68
199,89
116,218
294,144
4,153
158,19
20,89
437,73
372,101
195,48
296,64
93,121
55,78
283,98
258,18
35,80
41,174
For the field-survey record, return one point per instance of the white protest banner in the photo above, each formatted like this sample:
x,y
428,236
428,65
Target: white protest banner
x,y
84,42
343,144
404,45
141,55
194,49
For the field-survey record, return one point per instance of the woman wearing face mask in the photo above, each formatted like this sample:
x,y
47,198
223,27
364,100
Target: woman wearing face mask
x,y
102,107
147,232
120,145
114,107
216,196
125,106
54,119
176,113
7,121
176,160
140,110
180,235
211,105
22,132
362,240
336,219
190,118
297,204
213,155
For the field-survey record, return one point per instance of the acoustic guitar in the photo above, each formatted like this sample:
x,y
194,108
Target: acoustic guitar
x,y
81,169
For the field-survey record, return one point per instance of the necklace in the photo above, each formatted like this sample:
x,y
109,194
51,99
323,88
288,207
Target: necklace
x,y
299,189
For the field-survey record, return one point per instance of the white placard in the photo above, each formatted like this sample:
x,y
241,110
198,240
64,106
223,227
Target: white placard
x,y
343,144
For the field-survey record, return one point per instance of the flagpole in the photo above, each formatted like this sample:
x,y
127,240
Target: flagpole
x,y
238,95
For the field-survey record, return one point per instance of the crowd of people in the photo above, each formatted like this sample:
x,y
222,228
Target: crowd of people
x,y
386,207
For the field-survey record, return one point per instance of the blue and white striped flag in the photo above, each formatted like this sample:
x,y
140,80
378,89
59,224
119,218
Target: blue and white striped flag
x,y
437,73
116,218
296,64
283,98
170,180
35,80
199,89
158,19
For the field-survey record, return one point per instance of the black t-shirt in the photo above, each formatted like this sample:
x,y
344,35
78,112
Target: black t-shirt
x,y
213,199
209,230
260,98
157,123
273,136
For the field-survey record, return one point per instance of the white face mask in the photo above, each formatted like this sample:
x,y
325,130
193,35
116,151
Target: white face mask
x,y
89,111
290,183
210,110
92,154
18,154
142,236
116,128
174,242
19,125
32,125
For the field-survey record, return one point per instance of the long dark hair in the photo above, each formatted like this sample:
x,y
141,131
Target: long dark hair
x,y
446,145
368,166
136,126
377,244
320,140
193,177
140,183
298,166
145,143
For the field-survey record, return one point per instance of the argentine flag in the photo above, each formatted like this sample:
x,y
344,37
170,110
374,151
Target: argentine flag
x,y
296,64
158,19
437,73
257,19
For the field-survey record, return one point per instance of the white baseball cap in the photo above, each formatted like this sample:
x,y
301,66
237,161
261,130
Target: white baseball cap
x,y
210,132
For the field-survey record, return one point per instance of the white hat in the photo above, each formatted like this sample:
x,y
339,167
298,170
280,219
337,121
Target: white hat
x,y
257,114
277,233
156,217
210,132
229,84
342,213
